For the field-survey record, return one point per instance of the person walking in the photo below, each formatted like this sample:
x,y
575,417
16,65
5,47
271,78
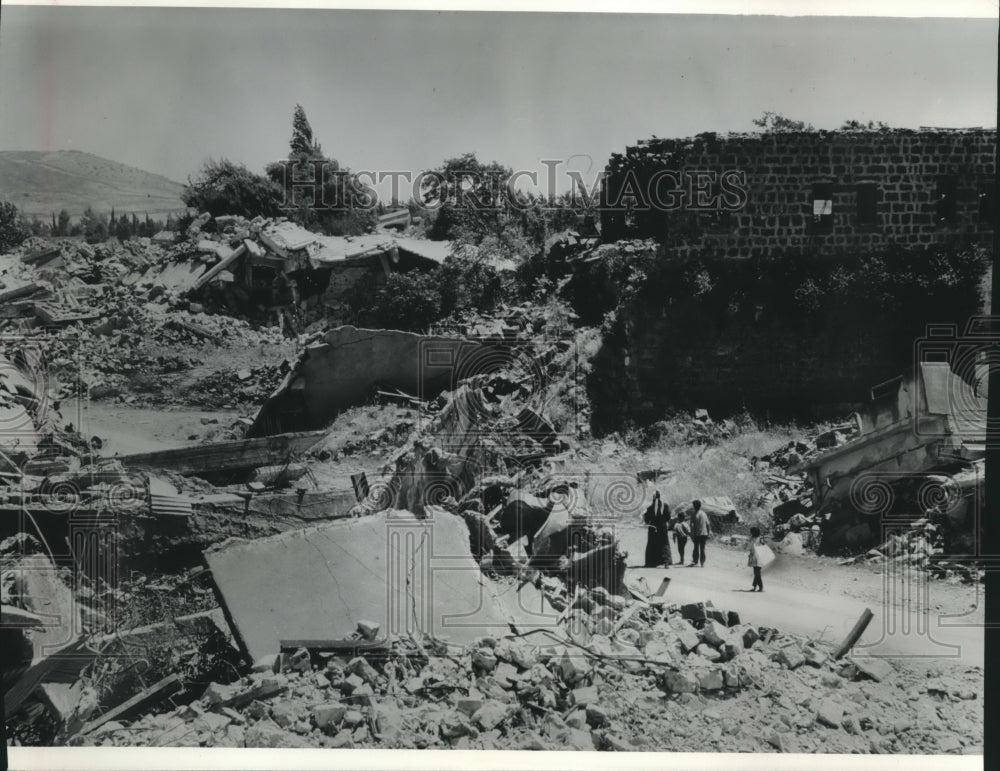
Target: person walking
x,y
701,529
682,532
657,517
753,560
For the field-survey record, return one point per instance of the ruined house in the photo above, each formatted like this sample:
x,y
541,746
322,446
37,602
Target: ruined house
x,y
813,192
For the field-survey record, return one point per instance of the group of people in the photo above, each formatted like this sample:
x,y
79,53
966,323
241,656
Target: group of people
x,y
695,527
661,524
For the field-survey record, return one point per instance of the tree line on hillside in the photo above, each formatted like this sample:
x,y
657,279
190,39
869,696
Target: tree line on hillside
x,y
16,227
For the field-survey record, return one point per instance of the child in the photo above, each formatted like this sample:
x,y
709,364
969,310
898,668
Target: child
x,y
681,534
753,561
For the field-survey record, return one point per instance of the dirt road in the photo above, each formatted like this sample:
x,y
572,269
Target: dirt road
x,y
919,620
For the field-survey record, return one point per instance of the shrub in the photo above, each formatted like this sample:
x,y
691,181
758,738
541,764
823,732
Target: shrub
x,y
13,230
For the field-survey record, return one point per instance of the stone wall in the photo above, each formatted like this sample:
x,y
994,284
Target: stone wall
x,y
905,173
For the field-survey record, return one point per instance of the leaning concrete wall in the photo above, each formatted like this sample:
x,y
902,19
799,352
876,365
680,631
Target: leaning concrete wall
x,y
349,364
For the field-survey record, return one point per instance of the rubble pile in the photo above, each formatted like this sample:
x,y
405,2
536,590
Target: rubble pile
x,y
669,678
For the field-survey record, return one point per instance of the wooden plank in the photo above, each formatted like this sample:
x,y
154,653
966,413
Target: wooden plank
x,y
227,456
21,291
854,635
220,266
160,690
54,668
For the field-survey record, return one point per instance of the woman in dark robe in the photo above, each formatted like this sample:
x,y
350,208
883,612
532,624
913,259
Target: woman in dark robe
x,y
657,519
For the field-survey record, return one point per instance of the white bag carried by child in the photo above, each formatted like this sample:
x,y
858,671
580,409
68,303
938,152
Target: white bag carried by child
x,y
764,554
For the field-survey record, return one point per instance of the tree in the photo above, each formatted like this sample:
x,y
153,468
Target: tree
x,y
338,206
225,187
94,226
467,199
857,125
776,123
63,223
302,143
13,231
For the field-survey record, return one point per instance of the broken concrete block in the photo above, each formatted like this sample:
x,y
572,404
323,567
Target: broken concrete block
x,y
790,656
581,697
777,741
830,713
710,679
359,666
686,634
490,715
352,718
342,741
679,682
454,725
484,660
285,714
577,719
217,693
363,694
750,636
694,611
369,629
815,657
505,674
597,716
716,615
351,684
469,706
572,668
714,633
328,716
732,618
266,734
874,668
299,661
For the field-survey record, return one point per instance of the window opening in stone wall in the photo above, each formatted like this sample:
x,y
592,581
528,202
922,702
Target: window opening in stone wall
x,y
822,207
868,204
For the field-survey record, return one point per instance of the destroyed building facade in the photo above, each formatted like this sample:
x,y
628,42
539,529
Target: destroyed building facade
x,y
820,193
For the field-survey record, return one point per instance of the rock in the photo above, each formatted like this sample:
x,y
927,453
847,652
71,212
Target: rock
x,y
685,633
572,668
581,697
815,657
235,736
750,636
454,724
874,668
351,684
369,629
300,661
577,719
328,716
790,656
679,682
830,713
342,741
732,618
359,666
266,734
713,633
694,611
711,679
361,695
490,715
469,706
776,740
597,716
484,660
505,674
285,715
352,718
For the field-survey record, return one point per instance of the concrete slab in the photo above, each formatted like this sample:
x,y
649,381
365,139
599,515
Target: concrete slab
x,y
409,575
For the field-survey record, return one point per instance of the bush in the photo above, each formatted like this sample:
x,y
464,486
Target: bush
x,y
408,301
225,187
13,231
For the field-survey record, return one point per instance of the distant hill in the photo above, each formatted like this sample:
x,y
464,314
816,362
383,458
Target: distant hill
x,y
45,182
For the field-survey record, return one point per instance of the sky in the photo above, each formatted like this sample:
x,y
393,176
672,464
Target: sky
x,y
166,89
